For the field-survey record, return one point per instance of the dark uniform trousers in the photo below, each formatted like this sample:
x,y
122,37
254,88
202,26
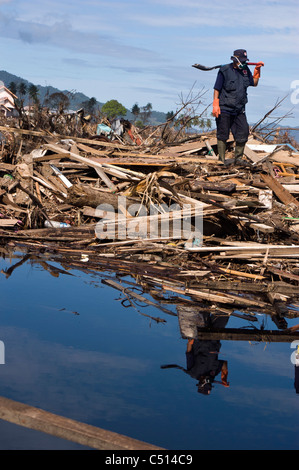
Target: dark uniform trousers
x,y
236,123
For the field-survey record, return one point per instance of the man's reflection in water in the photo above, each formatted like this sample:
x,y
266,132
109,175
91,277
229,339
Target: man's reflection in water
x,y
202,362
296,382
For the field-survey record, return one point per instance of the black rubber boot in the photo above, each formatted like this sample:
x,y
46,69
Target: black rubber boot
x,y
221,147
239,150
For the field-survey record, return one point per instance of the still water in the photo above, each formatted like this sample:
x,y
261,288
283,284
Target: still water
x,y
73,347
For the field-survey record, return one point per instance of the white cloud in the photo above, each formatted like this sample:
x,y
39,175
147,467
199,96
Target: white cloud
x,y
253,15
62,35
30,363
113,47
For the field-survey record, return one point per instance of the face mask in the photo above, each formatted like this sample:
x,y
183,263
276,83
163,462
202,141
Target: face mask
x,y
239,64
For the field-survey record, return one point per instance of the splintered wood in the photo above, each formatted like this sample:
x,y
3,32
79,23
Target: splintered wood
x,y
172,216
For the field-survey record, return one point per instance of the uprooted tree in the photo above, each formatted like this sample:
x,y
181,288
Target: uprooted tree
x,y
187,115
58,101
90,105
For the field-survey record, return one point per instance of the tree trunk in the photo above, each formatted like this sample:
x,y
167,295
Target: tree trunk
x,y
80,196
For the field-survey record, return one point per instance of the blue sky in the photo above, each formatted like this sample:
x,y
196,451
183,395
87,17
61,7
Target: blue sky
x,y
142,51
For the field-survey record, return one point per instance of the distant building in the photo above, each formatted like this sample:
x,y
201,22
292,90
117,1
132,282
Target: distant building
x,y
7,103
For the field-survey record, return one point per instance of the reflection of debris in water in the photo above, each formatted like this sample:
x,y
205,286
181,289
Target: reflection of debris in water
x,y
294,306
71,311
63,309
8,272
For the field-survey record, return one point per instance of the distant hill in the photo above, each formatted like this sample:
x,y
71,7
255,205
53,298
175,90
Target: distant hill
x,y
76,98
294,132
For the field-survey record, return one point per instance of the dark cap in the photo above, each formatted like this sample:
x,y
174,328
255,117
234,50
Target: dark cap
x,y
241,54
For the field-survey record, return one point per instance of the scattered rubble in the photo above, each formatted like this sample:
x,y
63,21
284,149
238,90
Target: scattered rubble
x,y
71,196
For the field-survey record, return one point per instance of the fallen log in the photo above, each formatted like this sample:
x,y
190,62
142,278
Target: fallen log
x,y
83,195
221,187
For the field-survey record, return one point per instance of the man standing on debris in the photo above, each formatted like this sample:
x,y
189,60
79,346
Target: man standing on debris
x,y
230,98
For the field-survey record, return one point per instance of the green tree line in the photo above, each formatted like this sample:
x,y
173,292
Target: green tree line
x,y
112,109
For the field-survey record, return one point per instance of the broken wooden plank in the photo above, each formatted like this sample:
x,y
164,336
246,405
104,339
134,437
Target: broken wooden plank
x,y
283,273
284,157
105,178
64,180
93,151
277,249
66,428
43,181
253,156
166,225
97,213
213,296
8,222
15,130
292,188
244,286
95,165
236,334
47,157
282,194
7,167
241,274
92,163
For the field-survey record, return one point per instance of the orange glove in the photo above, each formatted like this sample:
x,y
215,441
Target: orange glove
x,y
257,70
216,108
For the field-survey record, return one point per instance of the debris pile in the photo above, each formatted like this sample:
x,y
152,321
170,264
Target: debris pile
x,y
119,201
